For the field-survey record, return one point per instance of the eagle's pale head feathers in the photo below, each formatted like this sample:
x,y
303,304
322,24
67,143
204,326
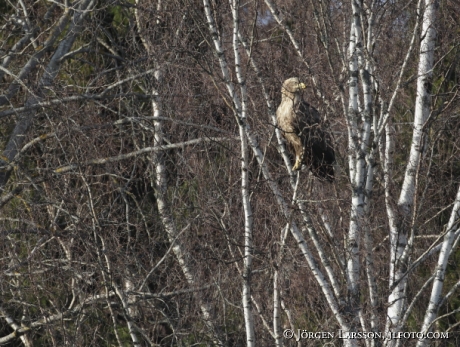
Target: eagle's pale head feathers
x,y
291,88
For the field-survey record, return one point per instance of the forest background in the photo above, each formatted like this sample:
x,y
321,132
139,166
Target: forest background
x,y
147,197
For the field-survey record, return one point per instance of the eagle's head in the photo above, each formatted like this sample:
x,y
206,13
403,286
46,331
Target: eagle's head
x,y
291,88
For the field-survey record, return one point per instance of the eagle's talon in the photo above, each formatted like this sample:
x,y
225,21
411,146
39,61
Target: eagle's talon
x,y
297,165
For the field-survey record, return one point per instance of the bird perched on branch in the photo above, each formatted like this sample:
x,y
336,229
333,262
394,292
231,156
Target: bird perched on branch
x,y
301,126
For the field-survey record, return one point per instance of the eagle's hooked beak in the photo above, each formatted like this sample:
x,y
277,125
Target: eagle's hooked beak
x,y
302,86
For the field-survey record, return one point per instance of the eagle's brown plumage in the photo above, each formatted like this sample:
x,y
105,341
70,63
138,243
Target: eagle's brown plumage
x,y
302,128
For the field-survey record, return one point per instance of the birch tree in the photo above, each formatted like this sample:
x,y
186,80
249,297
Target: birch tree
x,y
147,195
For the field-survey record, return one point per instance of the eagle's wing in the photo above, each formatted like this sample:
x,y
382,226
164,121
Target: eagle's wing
x,y
319,153
307,119
307,113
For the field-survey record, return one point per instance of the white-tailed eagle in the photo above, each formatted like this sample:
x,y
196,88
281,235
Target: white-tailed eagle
x,y
300,124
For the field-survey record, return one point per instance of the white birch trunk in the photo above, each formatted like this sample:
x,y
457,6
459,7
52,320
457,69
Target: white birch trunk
x,y
366,163
160,186
241,112
422,103
248,219
440,271
386,147
167,220
129,322
277,309
356,169
398,236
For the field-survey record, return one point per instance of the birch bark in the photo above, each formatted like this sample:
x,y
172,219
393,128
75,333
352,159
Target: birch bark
x,y
440,271
160,186
245,191
398,233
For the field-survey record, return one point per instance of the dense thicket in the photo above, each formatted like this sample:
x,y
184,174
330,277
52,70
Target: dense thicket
x,y
123,212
